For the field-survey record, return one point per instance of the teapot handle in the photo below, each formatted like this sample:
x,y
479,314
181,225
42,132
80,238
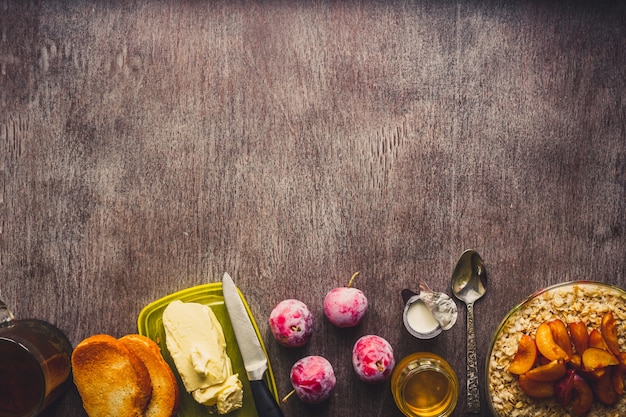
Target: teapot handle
x,y
6,316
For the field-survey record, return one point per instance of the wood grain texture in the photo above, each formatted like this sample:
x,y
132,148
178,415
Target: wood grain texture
x,y
146,147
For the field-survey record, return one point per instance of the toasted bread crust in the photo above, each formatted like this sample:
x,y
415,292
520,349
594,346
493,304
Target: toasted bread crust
x,y
111,380
165,393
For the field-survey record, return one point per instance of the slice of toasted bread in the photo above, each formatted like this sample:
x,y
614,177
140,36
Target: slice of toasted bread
x,y
111,380
165,394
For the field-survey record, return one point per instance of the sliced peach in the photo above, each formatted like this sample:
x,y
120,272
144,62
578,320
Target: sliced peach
x,y
580,335
596,358
608,328
542,360
561,337
595,374
535,389
563,388
525,357
582,397
622,361
596,340
576,361
617,378
548,373
604,391
546,344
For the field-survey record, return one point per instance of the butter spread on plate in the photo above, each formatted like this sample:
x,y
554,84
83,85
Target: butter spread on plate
x,y
227,396
195,340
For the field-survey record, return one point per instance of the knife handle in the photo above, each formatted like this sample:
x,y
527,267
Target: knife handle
x,y
266,406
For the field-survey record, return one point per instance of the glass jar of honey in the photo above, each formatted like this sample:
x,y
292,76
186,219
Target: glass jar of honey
x,y
424,385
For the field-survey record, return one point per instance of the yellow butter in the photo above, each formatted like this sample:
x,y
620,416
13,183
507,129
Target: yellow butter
x,y
195,340
227,396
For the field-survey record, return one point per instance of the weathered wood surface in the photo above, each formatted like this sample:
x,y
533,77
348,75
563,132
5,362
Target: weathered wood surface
x,y
147,147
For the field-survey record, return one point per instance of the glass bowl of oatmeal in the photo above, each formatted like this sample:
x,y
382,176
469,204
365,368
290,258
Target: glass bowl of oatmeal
x,y
585,301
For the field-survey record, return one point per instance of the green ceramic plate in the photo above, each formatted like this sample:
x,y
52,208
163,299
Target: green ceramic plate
x,y
150,324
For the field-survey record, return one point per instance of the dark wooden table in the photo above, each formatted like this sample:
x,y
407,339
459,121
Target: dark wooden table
x,y
147,147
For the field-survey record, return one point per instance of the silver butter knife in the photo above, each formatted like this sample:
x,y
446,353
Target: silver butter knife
x,y
254,358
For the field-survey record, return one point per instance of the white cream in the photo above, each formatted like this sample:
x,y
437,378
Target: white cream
x,y
420,319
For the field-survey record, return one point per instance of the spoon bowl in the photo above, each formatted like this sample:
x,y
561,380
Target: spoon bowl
x,y
468,285
467,278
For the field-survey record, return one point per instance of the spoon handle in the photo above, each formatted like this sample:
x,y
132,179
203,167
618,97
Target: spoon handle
x,y
473,394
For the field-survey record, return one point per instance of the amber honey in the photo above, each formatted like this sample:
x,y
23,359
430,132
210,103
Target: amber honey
x,y
424,385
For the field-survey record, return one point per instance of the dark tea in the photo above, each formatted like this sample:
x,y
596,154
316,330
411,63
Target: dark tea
x,y
34,367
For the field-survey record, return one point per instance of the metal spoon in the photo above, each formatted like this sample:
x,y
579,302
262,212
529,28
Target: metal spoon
x,y
468,286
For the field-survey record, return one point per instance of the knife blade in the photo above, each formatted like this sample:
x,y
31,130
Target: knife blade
x,y
252,352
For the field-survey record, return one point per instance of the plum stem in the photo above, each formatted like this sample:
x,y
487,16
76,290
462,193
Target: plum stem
x,y
352,279
286,397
